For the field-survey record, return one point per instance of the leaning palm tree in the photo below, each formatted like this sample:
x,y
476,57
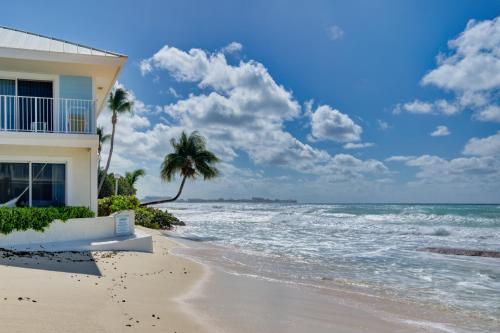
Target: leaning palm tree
x,y
118,103
190,159
103,138
133,177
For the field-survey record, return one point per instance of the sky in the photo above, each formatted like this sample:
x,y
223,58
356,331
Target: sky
x,y
318,101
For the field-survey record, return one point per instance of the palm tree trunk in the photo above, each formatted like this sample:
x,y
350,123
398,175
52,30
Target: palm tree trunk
x,y
99,159
111,145
167,200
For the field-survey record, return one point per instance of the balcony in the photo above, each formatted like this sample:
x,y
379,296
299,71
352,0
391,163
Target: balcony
x,y
47,115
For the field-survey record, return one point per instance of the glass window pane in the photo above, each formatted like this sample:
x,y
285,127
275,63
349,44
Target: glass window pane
x,y
48,184
14,183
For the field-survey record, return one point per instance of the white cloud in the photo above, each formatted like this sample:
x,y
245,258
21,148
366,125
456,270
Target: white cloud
x,y
474,65
421,107
490,113
174,92
441,131
330,124
351,145
383,125
471,71
399,158
335,32
416,106
241,110
232,48
470,171
489,146
446,107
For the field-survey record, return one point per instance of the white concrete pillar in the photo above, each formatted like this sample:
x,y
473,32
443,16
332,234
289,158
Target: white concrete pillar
x,y
93,179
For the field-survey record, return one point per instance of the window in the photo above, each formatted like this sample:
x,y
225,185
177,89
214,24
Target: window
x,y
45,186
14,183
48,184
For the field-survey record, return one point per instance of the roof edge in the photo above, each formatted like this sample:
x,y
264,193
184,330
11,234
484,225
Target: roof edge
x,y
65,41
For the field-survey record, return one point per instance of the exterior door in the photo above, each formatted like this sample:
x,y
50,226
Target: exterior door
x,y
35,114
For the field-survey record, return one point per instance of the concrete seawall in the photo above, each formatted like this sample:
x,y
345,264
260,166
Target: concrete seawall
x,y
100,233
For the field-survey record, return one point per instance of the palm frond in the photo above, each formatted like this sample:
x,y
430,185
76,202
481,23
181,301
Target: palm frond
x,y
172,164
133,176
190,158
119,101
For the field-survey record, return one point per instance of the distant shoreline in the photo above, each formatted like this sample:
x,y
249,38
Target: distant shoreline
x,y
293,201
221,200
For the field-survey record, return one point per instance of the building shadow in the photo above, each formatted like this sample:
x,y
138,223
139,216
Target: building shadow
x,y
67,261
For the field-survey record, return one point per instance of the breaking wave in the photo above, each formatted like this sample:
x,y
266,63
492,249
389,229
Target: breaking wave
x,y
373,245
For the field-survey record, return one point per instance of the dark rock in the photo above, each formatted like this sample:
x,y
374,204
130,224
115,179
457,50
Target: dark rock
x,y
178,223
462,252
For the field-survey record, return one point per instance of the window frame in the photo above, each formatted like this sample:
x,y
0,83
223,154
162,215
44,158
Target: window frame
x,y
30,163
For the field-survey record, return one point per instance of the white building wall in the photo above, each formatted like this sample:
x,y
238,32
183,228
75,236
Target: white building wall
x,y
81,173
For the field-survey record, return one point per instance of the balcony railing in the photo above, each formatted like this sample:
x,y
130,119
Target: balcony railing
x,y
47,115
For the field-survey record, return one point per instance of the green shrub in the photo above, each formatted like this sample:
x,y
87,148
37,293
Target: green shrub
x,y
115,203
25,218
148,217
108,187
154,218
144,217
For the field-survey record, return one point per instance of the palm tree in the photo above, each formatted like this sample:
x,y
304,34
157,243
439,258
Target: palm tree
x,y
190,159
103,138
118,103
132,177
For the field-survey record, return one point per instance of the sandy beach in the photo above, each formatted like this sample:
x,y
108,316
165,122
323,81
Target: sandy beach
x,y
97,292
168,292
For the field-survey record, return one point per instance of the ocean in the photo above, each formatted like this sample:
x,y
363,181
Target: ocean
x,y
373,248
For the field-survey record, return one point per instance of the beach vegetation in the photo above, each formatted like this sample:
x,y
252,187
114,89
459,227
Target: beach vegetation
x,y
154,218
112,204
148,217
132,177
36,218
119,103
103,138
108,187
191,159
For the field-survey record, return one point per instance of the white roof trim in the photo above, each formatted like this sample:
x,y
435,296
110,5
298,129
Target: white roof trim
x,y
18,39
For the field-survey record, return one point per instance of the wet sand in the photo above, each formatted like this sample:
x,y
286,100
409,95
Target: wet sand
x,y
234,301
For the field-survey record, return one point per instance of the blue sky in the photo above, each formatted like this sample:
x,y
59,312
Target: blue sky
x,y
301,83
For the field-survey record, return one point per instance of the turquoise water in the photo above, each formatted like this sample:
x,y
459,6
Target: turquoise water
x,y
372,247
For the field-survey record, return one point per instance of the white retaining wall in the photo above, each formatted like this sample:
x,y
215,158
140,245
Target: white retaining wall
x,y
84,229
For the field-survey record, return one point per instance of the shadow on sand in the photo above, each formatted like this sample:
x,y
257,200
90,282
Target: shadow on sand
x,y
69,262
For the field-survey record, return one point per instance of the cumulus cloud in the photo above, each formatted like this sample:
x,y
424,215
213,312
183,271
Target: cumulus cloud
x,y
441,131
474,64
232,48
241,110
464,170
471,70
490,113
421,107
399,158
331,124
473,178
351,145
489,146
335,32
